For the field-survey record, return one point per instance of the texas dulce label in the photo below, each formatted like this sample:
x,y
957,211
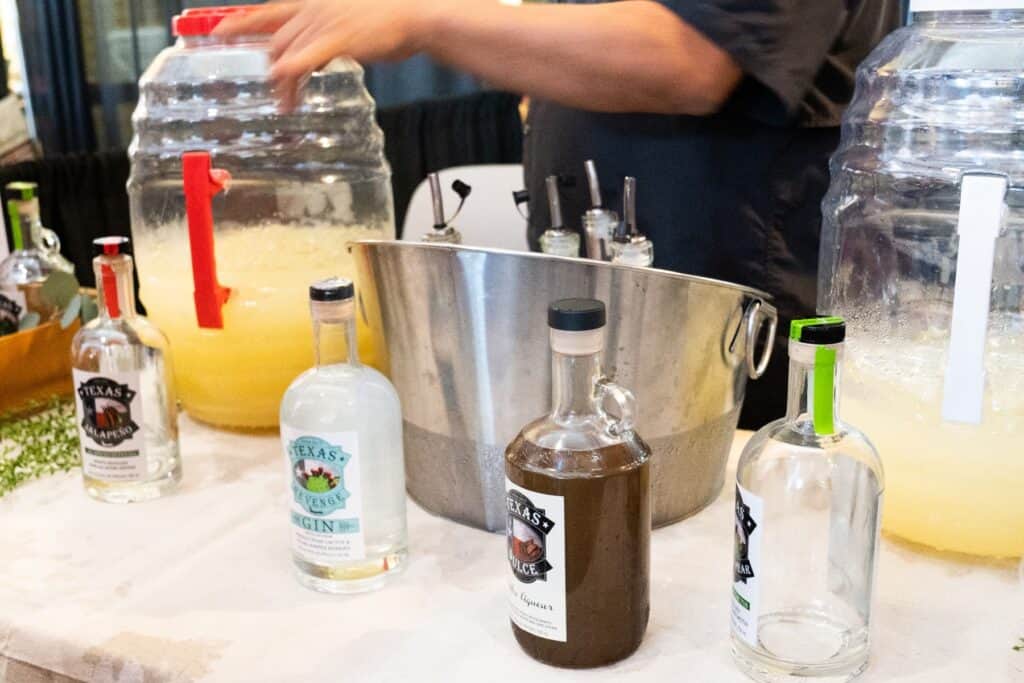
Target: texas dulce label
x,y
109,409
746,570
326,500
536,557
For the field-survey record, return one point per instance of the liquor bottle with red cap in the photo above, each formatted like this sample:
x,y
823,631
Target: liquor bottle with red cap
x,y
124,390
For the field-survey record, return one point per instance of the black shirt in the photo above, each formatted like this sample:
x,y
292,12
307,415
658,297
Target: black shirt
x,y
737,195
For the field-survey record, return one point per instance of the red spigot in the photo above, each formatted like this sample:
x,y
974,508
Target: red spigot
x,y
202,183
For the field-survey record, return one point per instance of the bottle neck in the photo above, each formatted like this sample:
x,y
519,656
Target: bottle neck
x,y
572,384
814,375
115,293
26,227
334,333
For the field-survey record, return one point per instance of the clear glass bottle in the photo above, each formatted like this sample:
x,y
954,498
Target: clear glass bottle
x,y
442,232
579,508
808,506
599,223
341,429
124,390
36,254
629,247
557,240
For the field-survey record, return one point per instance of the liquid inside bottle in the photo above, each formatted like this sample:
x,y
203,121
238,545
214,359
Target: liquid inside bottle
x,y
808,505
341,430
579,510
124,391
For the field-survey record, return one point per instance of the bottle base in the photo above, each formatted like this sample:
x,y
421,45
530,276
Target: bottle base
x,y
803,644
353,577
134,492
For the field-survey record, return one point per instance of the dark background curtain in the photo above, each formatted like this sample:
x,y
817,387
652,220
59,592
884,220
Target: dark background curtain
x,y
82,196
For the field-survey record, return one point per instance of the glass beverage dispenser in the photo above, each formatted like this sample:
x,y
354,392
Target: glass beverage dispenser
x,y
238,206
923,254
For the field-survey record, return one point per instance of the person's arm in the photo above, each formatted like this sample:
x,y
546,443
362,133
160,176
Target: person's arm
x,y
630,56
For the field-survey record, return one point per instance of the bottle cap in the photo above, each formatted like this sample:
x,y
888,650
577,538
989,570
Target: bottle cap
x,y
577,315
201,21
111,246
821,331
332,289
21,191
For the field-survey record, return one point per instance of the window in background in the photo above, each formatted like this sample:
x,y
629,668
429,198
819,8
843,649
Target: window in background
x,y
84,59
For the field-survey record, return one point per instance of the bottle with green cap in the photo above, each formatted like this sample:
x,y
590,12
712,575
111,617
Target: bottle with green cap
x,y
341,432
35,254
808,507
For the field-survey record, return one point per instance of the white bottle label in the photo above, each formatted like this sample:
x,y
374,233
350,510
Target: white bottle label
x,y
536,558
746,592
326,496
12,308
109,406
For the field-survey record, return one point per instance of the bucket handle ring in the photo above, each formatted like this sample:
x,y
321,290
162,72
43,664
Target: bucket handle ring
x,y
759,313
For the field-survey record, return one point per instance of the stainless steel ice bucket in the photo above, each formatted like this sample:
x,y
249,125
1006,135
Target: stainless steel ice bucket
x,y
467,346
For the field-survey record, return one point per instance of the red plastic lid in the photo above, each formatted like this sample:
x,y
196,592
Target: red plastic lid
x,y
201,21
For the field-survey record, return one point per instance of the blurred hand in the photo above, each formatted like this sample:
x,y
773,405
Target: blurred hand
x,y
307,34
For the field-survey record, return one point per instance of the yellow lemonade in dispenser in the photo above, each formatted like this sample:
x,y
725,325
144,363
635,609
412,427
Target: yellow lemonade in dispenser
x,y
236,376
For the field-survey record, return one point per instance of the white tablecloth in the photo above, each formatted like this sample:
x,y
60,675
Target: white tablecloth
x,y
198,586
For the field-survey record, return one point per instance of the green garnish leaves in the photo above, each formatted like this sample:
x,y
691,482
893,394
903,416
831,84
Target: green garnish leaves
x,y
38,445
59,289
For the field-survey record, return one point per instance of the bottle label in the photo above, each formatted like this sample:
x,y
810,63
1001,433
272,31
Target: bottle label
x,y
12,305
327,505
747,565
109,407
536,558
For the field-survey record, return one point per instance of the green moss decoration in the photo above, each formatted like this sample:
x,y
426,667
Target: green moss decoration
x,y
39,444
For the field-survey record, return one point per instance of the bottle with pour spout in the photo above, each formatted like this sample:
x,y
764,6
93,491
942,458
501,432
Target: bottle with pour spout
x,y
124,390
599,223
808,510
557,240
443,232
629,246
578,493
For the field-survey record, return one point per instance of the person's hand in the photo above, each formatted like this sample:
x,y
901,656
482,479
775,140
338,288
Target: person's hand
x,y
309,33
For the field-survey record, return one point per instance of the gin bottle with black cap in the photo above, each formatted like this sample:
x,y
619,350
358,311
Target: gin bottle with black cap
x,y
124,390
578,494
341,431
808,506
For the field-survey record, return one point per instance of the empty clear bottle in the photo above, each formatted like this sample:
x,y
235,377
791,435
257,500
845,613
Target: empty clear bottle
x,y
124,390
36,254
341,428
808,505
557,240
629,247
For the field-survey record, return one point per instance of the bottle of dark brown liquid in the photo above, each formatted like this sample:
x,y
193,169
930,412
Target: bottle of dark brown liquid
x,y
579,509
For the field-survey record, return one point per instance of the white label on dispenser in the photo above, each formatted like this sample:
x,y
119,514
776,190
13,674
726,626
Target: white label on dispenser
x,y
536,558
326,495
747,569
109,407
982,210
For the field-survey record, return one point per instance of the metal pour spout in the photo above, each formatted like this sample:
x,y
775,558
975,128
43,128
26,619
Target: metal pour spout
x,y
592,184
554,203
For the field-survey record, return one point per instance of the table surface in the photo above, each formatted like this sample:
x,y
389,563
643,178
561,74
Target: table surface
x,y
198,586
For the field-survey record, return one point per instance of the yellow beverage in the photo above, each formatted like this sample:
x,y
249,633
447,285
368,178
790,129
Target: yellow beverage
x,y
953,487
236,376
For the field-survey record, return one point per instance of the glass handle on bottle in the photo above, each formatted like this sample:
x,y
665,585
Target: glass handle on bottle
x,y
624,400
50,241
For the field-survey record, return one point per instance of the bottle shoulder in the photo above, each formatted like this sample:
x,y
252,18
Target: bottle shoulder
x,y
784,438
545,446
138,331
342,382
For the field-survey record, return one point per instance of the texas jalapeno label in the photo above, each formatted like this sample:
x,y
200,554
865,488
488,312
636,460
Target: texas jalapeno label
x,y
746,571
536,558
326,496
109,408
